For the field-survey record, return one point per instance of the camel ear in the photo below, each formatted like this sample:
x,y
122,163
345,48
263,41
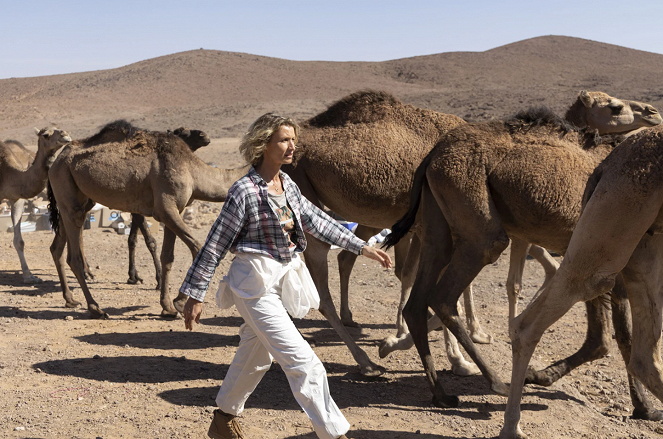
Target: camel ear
x,y
586,99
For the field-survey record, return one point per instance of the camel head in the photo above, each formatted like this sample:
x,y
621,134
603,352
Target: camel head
x,y
51,139
600,111
194,138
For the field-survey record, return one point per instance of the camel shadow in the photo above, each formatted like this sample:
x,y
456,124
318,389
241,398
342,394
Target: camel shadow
x,y
49,314
134,369
165,340
14,279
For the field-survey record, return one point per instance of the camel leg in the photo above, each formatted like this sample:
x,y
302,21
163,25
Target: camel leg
x,y
477,334
407,274
316,261
526,331
57,251
479,241
621,320
459,365
346,261
596,345
73,223
88,272
19,245
174,227
514,280
549,264
138,223
131,242
643,277
436,249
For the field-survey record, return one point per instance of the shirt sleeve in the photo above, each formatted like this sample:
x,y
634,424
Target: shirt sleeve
x,y
325,228
225,230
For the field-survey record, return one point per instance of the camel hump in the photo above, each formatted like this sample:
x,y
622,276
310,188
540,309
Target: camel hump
x,y
115,131
537,116
364,106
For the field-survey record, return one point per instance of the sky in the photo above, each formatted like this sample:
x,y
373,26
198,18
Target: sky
x,y
47,37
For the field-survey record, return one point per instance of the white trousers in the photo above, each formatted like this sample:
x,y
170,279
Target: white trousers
x,y
269,333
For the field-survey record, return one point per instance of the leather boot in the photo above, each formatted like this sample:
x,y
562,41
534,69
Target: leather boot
x,y
224,426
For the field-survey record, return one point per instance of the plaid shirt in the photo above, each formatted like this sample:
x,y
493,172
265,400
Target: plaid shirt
x,y
247,223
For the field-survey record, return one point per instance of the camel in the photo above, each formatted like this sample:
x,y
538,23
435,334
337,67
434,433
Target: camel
x,y
146,172
358,158
617,235
485,184
23,175
196,139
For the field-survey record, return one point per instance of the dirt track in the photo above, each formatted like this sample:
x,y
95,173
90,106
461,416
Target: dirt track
x,y
63,375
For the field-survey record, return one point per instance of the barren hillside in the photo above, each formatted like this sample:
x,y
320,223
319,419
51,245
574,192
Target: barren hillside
x,y
221,92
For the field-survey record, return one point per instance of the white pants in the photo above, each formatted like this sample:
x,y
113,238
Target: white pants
x,y
269,333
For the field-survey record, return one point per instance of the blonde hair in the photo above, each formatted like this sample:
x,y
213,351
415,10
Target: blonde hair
x,y
252,146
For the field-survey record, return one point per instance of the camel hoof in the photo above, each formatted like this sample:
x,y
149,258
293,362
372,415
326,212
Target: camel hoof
x,y
97,313
372,370
386,346
72,304
179,304
169,314
350,323
648,415
466,369
518,434
540,378
500,388
134,281
88,275
31,279
446,401
481,337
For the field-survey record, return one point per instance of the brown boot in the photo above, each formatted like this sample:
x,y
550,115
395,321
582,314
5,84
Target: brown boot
x,y
224,426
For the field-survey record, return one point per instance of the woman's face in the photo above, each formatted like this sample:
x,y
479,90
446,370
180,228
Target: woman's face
x,y
281,146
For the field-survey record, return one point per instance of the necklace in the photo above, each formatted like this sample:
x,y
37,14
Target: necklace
x,y
275,185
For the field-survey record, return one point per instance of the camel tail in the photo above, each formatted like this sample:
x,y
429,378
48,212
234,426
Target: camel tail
x,y
53,213
403,225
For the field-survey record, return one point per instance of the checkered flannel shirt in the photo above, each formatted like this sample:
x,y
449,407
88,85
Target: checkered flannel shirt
x,y
247,223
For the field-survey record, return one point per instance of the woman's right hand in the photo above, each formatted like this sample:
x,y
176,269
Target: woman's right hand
x,y
192,311
377,255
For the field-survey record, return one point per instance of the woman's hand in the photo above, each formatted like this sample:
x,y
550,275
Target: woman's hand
x,y
192,311
376,254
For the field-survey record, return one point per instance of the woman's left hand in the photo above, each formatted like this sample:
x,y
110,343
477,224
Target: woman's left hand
x,y
378,255
192,311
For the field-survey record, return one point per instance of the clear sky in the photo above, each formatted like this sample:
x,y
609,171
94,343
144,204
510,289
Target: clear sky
x,y
49,37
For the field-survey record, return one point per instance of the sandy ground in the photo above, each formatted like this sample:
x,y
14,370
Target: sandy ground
x,y
136,375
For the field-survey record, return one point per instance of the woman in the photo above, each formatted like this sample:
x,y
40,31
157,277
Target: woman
x,y
263,222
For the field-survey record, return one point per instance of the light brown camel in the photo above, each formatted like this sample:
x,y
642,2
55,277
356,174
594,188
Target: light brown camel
x,y
150,173
196,139
483,184
619,231
23,175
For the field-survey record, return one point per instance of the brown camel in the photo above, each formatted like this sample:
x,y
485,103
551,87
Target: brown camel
x,y
483,184
23,175
618,233
195,139
150,173
594,110
358,158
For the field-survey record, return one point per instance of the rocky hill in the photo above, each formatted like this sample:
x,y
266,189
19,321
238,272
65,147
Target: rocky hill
x,y
222,92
